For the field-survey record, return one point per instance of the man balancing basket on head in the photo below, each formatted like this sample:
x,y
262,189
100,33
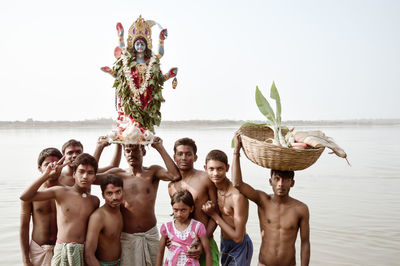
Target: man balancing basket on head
x,y
283,151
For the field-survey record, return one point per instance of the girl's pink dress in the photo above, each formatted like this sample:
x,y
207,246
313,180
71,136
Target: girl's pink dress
x,y
180,241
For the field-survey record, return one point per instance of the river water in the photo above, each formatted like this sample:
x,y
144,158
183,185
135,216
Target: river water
x,y
354,211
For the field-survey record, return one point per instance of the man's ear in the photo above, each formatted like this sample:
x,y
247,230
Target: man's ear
x,y
205,167
292,183
39,167
270,182
143,150
195,158
227,167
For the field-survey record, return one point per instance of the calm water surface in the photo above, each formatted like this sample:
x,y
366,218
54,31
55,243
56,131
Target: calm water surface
x,y
354,211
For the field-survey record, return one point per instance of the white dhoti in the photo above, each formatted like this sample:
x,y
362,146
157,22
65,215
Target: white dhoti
x,y
40,255
68,254
140,248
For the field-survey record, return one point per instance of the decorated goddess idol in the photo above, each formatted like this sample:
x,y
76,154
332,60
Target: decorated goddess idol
x,y
138,83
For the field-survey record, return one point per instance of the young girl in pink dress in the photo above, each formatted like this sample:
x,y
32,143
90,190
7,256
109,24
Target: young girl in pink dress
x,y
182,232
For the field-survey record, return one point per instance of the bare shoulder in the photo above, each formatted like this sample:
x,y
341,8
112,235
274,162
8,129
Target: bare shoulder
x,y
237,196
153,168
98,215
301,207
202,174
95,200
263,195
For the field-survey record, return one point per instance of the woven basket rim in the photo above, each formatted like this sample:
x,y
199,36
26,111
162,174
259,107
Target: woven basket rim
x,y
273,156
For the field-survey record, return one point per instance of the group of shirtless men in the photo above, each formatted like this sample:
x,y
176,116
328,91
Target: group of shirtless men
x,y
69,228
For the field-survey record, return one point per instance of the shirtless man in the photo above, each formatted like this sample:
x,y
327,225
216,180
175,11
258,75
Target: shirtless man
x,y
103,246
199,185
139,237
44,231
236,245
280,216
74,206
73,148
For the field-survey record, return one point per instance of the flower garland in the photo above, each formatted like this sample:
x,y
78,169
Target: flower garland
x,y
127,72
130,97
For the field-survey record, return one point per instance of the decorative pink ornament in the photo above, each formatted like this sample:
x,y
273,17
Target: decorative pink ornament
x,y
117,52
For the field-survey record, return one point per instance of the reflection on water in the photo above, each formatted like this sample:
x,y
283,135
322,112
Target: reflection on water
x,y
355,211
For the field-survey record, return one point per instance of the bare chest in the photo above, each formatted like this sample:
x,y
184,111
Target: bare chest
x,y
225,204
76,206
112,226
44,208
139,188
279,218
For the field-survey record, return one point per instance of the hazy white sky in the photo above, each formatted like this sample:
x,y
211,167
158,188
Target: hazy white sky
x,y
330,59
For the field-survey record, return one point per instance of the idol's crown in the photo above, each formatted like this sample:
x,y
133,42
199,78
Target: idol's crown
x,y
141,28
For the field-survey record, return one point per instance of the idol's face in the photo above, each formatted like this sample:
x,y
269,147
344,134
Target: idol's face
x,y
140,45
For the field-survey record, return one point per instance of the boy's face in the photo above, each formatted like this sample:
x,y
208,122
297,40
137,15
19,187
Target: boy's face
x,y
46,162
113,196
281,186
71,152
134,154
84,175
216,170
185,157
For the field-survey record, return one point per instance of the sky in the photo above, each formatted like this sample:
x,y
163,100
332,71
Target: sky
x,y
330,60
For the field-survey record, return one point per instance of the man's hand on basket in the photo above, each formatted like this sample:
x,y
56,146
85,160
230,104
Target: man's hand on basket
x,y
102,142
238,142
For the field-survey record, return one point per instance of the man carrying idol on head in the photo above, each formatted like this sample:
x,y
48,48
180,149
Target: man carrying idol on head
x,y
138,83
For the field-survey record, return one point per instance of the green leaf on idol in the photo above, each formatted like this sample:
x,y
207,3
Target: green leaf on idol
x,y
264,106
275,95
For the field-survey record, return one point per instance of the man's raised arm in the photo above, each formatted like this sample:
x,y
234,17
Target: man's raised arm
x,y
172,173
248,191
101,176
103,142
32,193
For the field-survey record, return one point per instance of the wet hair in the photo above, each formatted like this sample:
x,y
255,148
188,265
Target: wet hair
x,y
142,147
217,155
283,174
71,142
185,197
48,152
147,52
111,179
187,142
84,159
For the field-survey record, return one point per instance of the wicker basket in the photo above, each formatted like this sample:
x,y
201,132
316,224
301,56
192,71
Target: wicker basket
x,y
275,157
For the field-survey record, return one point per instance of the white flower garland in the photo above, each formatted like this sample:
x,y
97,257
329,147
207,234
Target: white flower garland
x,y
127,72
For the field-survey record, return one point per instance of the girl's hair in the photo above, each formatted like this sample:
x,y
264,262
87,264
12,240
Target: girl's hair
x,y
185,197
